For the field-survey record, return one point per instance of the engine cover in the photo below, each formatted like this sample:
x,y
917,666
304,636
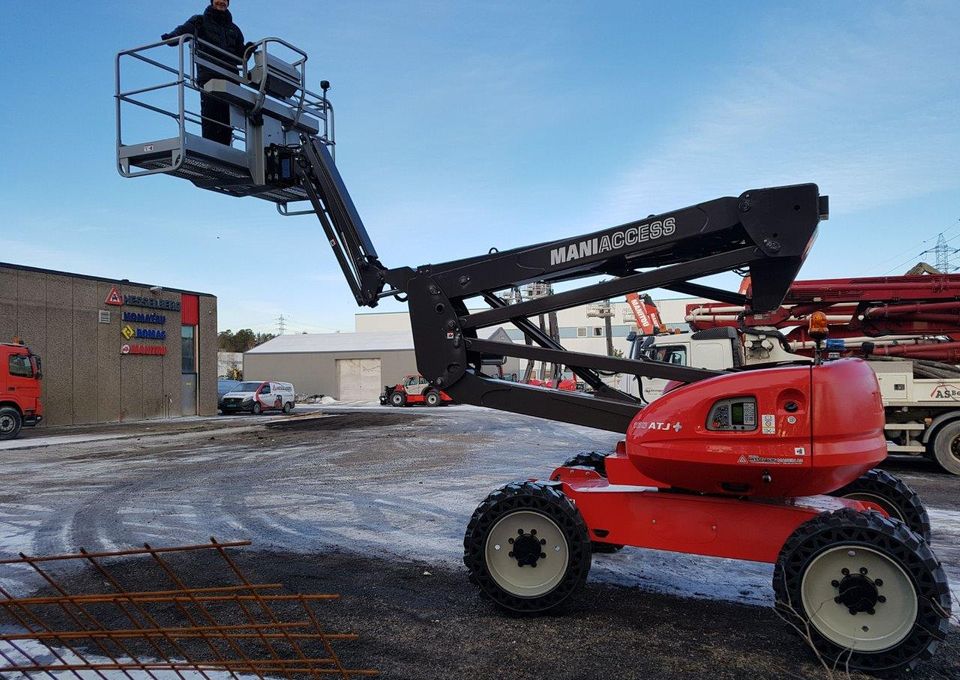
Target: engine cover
x,y
777,432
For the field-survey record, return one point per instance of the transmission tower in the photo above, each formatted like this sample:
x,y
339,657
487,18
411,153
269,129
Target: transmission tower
x,y
281,325
944,254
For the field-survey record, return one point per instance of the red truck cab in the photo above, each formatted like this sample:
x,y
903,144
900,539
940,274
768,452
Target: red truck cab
x,y
20,373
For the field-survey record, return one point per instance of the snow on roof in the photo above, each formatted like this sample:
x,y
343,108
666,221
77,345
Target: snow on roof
x,y
337,342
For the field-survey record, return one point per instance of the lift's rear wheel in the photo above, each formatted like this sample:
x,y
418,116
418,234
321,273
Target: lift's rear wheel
x,y
896,498
593,460
946,447
10,422
598,463
527,547
432,398
398,399
869,591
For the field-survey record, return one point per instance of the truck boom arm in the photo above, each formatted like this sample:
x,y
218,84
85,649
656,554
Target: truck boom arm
x,y
896,308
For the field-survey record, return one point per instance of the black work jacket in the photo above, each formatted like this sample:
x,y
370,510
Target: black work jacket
x,y
217,28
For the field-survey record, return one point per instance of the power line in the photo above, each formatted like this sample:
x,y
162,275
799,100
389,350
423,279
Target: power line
x,y
938,236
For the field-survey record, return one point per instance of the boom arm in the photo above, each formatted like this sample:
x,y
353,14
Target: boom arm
x,y
767,231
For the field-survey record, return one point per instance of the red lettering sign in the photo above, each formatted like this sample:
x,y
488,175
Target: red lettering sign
x,y
146,350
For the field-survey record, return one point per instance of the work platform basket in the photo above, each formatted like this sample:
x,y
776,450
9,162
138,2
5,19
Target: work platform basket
x,y
159,121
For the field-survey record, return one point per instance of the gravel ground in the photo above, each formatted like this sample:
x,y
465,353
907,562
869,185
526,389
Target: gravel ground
x,y
371,503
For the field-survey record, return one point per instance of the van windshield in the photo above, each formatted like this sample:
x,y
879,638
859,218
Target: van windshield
x,y
247,387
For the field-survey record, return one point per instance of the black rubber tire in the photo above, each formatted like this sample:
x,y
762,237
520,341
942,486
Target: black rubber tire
x,y
256,409
593,460
543,499
946,447
288,407
10,422
598,463
432,398
897,544
893,495
398,399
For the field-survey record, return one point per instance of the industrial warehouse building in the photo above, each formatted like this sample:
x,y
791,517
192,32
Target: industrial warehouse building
x,y
346,366
356,366
113,350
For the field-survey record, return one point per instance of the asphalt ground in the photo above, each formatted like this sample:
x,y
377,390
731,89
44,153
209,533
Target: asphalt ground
x,y
371,503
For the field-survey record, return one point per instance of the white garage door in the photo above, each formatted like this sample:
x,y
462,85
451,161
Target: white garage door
x,y
359,379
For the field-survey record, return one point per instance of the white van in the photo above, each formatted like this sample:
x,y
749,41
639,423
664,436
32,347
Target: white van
x,y
257,396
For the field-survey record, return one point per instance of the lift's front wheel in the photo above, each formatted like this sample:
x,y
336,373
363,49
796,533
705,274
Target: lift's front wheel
x,y
890,493
867,592
527,547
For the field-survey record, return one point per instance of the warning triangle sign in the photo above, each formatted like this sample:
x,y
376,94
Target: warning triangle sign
x,y
743,459
114,298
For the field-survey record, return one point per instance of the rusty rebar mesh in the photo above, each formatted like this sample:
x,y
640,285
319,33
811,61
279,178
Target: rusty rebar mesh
x,y
189,611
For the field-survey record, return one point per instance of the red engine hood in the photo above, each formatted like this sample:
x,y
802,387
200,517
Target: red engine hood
x,y
817,429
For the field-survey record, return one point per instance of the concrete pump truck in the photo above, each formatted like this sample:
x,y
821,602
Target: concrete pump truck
x,y
738,464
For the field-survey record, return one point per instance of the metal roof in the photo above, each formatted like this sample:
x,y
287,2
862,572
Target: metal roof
x,y
379,341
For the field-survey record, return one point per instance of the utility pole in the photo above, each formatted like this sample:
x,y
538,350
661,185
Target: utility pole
x,y
604,310
535,290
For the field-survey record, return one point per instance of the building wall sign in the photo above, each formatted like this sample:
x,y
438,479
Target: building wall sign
x,y
114,298
151,350
152,303
129,332
137,317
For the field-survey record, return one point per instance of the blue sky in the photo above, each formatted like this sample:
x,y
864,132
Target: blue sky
x,y
463,126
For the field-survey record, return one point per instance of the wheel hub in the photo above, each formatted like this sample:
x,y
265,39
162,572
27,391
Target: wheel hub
x,y
527,553
527,548
859,598
858,593
6,423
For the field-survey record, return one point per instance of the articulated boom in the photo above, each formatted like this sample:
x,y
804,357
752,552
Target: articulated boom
x,y
767,231
288,134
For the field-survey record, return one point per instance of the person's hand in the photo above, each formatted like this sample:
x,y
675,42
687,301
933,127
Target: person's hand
x,y
166,36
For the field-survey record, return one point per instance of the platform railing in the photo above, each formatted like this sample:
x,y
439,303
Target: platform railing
x,y
181,71
122,97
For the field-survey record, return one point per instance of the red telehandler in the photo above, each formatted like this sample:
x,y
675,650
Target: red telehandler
x,y
734,464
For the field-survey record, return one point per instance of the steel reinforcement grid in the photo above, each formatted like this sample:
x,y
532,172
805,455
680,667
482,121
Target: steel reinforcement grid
x,y
175,612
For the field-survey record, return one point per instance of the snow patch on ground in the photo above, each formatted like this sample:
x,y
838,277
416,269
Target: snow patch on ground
x,y
406,492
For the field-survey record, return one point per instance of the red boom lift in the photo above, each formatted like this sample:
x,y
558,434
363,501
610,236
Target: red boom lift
x,y
732,464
